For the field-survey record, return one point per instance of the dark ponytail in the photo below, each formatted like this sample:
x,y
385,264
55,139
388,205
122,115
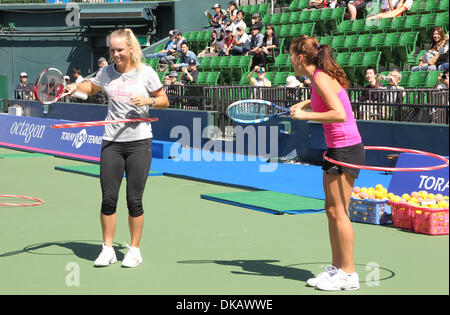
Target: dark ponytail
x,y
321,56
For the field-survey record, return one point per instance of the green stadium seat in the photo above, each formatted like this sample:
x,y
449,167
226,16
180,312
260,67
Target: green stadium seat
x,y
444,5
433,6
266,19
294,18
337,16
326,40
285,18
417,79
378,40
432,79
305,16
263,8
293,5
271,76
281,63
350,42
442,20
243,79
338,42
308,29
201,78
371,58
204,64
418,6
214,65
212,78
397,24
358,27
424,28
415,61
406,47
411,22
405,78
302,4
343,58
244,63
351,67
364,43
343,28
285,31
321,24
275,18
390,43
280,78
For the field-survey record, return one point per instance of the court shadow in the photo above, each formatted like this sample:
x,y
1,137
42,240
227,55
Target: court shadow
x,y
265,268
87,250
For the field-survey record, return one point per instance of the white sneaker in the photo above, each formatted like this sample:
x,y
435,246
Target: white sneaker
x,y
340,281
106,257
133,258
329,271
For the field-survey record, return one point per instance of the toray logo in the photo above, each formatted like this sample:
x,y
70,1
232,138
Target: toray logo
x,y
78,139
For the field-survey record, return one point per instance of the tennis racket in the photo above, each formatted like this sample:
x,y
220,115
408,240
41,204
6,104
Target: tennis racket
x,y
255,111
50,87
102,123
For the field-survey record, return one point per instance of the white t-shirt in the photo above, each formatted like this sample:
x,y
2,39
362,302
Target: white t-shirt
x,y
120,87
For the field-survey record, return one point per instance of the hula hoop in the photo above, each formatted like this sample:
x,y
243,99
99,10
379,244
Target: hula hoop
x,y
39,201
393,169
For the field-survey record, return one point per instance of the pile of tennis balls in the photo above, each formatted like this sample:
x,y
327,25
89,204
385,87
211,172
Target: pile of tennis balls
x,y
416,198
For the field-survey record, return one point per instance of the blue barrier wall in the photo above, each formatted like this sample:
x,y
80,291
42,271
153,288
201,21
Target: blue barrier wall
x,y
304,139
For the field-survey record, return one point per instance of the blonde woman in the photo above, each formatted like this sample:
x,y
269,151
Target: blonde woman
x,y
132,88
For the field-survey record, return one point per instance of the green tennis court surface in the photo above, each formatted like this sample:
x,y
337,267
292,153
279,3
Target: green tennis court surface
x,y
269,201
22,155
190,246
91,170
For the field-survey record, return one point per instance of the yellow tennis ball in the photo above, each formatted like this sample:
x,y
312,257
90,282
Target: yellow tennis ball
x,y
379,187
406,197
423,194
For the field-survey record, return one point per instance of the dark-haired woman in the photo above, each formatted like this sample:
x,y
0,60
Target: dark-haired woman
x,y
331,106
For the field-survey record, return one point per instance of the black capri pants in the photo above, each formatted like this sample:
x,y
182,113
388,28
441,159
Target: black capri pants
x,y
134,158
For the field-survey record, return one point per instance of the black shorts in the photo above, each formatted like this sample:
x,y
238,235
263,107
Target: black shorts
x,y
354,154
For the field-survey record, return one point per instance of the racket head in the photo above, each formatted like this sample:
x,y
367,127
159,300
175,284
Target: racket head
x,y
253,111
50,85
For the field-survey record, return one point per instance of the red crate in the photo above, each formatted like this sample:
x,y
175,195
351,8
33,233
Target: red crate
x,y
402,215
430,221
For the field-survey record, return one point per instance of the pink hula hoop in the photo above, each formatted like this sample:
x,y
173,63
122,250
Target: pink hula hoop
x,y
39,201
393,169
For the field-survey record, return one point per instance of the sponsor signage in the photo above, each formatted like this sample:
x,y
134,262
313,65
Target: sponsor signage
x,y
35,135
435,182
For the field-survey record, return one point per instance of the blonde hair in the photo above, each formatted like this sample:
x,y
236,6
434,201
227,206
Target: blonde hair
x,y
133,43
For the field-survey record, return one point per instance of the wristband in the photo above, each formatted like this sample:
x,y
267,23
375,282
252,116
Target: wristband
x,y
153,102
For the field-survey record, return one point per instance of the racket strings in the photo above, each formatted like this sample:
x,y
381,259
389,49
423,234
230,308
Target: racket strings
x,y
49,86
251,111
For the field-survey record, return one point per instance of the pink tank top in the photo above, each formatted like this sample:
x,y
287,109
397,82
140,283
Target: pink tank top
x,y
337,135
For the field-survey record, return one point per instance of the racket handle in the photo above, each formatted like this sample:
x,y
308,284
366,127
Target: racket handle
x,y
80,95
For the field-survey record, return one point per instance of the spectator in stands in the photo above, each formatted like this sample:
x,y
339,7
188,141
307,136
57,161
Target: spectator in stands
x,y
166,80
261,79
241,44
228,42
216,42
402,6
179,39
101,62
442,60
76,72
443,81
239,21
189,74
168,49
173,76
216,21
394,79
232,11
355,6
24,89
367,95
292,82
256,21
439,45
271,44
256,44
185,56
316,4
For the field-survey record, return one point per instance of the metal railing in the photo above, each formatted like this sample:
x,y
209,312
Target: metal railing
x,y
409,105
